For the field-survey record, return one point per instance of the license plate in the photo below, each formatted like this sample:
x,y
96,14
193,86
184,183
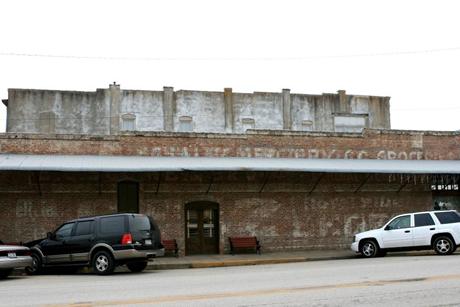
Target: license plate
x,y
11,255
148,242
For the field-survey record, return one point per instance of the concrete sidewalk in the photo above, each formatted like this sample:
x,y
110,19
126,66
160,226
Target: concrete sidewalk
x,y
210,261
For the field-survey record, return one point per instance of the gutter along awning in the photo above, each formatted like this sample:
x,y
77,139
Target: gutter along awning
x,y
94,163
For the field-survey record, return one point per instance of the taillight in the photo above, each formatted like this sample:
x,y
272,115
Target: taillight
x,y
127,239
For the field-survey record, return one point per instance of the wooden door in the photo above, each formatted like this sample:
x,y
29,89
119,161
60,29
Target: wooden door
x,y
201,229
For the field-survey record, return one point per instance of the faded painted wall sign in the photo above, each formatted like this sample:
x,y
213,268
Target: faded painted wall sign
x,y
285,152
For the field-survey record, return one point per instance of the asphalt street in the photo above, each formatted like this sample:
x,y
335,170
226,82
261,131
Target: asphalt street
x,y
389,281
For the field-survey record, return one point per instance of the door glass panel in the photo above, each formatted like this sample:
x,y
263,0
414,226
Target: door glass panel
x,y
192,223
208,223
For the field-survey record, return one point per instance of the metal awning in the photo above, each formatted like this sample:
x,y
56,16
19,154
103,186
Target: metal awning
x,y
94,163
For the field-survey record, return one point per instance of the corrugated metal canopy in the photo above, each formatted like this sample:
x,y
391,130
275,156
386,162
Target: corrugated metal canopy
x,y
93,163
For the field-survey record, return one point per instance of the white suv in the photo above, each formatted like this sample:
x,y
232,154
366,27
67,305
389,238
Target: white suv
x,y
438,230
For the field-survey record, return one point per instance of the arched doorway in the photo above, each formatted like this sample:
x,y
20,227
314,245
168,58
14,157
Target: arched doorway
x,y
201,228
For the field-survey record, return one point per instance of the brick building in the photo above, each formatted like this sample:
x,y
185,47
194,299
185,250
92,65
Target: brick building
x,y
292,189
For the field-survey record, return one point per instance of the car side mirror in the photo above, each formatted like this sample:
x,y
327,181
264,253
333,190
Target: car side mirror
x,y
50,235
388,227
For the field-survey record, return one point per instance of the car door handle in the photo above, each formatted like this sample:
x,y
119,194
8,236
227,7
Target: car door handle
x,y
407,231
432,228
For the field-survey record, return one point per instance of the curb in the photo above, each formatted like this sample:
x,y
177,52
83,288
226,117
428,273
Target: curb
x,y
243,262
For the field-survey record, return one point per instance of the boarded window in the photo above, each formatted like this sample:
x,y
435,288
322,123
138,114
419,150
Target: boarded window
x,y
346,123
47,122
248,123
307,125
185,124
128,122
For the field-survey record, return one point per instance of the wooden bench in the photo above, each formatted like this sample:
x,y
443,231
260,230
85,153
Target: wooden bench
x,y
244,243
171,246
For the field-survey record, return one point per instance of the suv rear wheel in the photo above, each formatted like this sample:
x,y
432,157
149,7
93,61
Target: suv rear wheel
x,y
103,263
137,266
369,249
443,245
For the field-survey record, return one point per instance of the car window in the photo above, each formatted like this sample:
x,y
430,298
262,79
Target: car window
x,y
113,225
84,228
400,222
65,230
141,222
423,219
448,217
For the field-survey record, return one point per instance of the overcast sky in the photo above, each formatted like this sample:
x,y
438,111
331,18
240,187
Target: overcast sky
x,y
409,50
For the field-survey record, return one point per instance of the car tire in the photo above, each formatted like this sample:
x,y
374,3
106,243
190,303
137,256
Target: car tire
x,y
103,263
36,267
5,273
443,245
369,249
137,266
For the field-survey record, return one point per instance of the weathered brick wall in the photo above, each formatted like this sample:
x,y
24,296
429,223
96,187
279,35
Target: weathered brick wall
x,y
371,144
27,217
282,220
285,210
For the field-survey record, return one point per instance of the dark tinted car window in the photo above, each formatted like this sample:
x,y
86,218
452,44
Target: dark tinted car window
x,y
113,224
84,228
141,223
64,230
423,219
447,217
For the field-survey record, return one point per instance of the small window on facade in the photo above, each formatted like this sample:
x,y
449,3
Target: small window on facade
x,y
347,123
128,122
248,123
307,125
47,122
423,219
185,124
448,217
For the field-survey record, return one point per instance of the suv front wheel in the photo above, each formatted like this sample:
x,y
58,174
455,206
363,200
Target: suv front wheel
x,y
369,249
443,245
103,263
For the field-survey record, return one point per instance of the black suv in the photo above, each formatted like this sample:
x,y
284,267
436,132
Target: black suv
x,y
102,242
